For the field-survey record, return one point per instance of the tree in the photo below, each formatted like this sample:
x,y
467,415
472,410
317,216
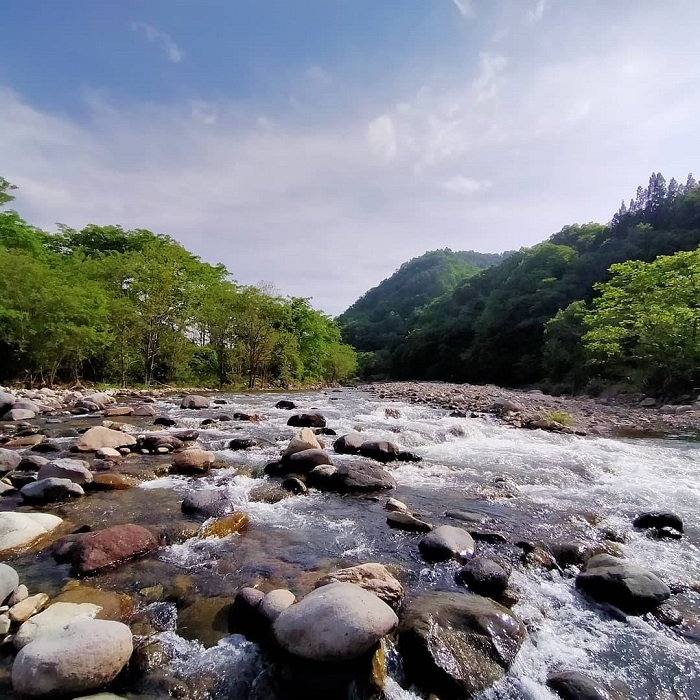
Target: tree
x,y
5,188
563,355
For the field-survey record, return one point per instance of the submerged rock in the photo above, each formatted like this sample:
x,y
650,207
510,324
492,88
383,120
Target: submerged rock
x,y
631,588
206,620
226,526
374,578
23,529
447,542
208,502
658,519
334,623
455,645
572,685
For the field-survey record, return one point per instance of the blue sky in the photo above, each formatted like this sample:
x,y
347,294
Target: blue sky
x,y
318,144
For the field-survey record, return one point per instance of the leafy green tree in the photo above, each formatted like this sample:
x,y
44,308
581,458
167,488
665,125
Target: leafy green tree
x,y
563,356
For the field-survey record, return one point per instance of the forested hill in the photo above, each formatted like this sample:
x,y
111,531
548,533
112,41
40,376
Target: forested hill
x,y
108,305
491,327
382,315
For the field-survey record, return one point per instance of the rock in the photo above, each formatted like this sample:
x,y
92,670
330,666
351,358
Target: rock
x,y
160,443
395,506
307,420
392,413
165,420
668,615
286,405
46,447
349,444
21,593
20,479
186,435
109,454
268,493
321,477
244,614
374,578
23,529
408,522
95,551
629,587
208,502
447,542
570,553
275,602
23,610
32,463
7,489
194,401
361,477
51,490
465,516
75,470
16,414
303,440
335,623
5,624
648,402
9,581
455,645
51,620
99,436
206,620
192,461
83,655
113,482
101,398
658,519
226,526
112,606
9,460
303,462
7,401
572,685
144,410
117,411
26,441
483,576
242,444
381,450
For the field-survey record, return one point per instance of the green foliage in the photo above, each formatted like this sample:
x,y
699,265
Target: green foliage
x,y
110,305
644,327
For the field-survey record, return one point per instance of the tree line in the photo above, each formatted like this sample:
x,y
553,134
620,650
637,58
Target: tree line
x,y
592,305
109,305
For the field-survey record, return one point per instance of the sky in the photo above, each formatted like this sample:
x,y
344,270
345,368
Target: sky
x,y
318,144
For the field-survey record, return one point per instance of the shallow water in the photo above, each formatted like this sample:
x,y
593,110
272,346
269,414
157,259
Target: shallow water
x,y
559,485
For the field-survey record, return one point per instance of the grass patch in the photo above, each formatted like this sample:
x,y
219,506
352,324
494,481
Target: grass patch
x,y
560,417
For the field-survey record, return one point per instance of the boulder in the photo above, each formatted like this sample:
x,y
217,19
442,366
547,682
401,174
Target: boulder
x,y
245,616
195,401
381,450
334,623
455,645
7,401
9,581
465,516
226,526
242,444
192,461
408,522
303,462
296,485
45,446
116,411
167,421
629,587
51,620
275,602
160,443
9,460
27,405
484,576
286,405
101,398
374,578
207,502
349,444
302,441
32,463
268,493
361,477
99,436
144,410
94,551
658,519
81,656
447,542
573,685
25,608
109,454
75,470
51,490
186,435
112,606
307,420
113,482
16,414
393,505
23,529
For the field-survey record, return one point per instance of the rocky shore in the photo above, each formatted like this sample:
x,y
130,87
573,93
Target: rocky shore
x,y
611,415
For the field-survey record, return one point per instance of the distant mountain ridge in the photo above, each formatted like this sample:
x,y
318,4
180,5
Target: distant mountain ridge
x,y
383,314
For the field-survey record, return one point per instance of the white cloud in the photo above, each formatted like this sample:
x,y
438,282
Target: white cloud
x,y
491,68
465,185
381,133
535,14
174,53
465,7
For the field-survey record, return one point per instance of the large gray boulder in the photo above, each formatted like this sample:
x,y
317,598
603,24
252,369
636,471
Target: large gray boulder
x,y
16,414
455,645
373,577
631,588
303,462
23,529
349,444
447,542
99,437
52,620
7,401
9,460
381,450
9,580
76,470
305,439
194,401
307,420
208,502
50,490
335,623
361,477
27,405
84,655
573,685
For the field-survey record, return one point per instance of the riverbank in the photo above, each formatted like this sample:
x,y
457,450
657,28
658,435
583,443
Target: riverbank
x,y
609,416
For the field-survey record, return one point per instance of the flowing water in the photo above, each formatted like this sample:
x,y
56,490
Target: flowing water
x,y
529,485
